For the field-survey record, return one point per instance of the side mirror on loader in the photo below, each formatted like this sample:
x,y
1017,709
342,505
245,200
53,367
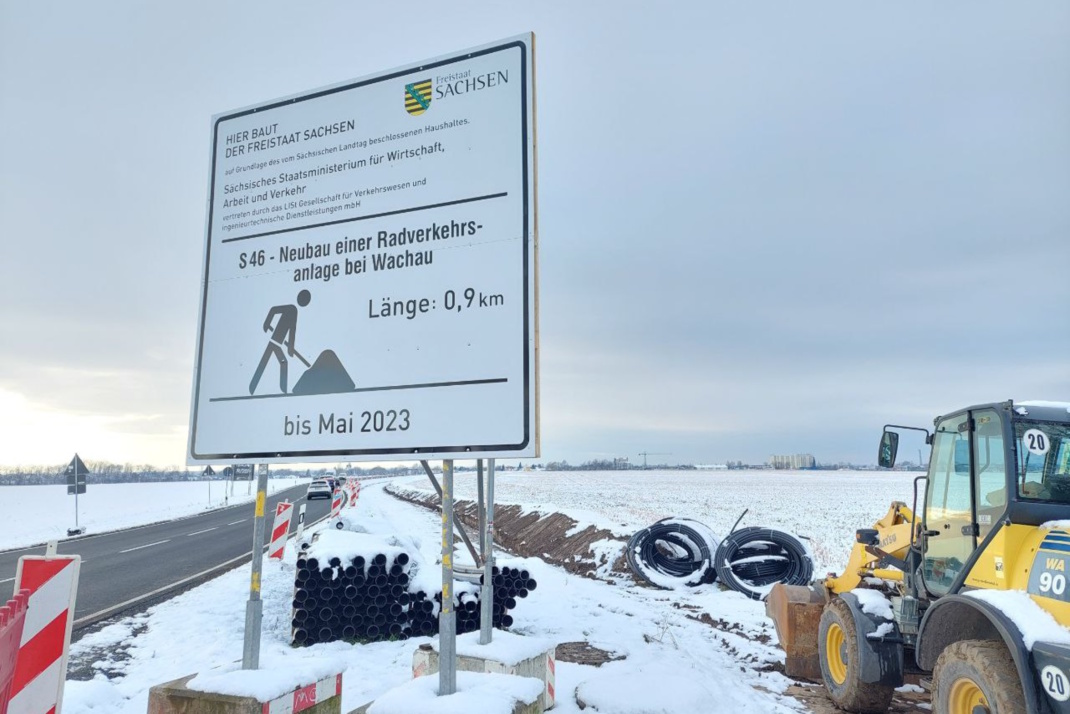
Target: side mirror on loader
x,y
888,449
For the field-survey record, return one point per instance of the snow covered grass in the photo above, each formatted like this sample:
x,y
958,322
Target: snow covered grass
x,y
827,507
35,514
681,648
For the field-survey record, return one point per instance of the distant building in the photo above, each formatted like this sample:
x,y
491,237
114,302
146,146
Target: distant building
x,y
792,462
711,467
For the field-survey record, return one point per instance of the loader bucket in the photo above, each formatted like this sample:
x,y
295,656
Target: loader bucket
x,y
796,613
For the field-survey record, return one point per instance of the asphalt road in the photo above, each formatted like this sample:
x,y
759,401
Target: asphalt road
x,y
125,565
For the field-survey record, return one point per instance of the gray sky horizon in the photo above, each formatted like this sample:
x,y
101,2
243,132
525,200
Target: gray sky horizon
x,y
760,232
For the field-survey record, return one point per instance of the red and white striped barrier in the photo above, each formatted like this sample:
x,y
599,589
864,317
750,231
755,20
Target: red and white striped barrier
x,y
551,679
353,488
336,504
284,511
305,697
12,619
37,687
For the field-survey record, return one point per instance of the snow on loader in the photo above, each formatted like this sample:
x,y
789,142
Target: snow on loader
x,y
972,589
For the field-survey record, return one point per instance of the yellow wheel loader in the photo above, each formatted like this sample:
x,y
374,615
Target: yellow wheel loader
x,y
972,590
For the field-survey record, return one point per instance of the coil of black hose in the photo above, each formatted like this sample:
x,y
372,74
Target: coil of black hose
x,y
694,568
751,559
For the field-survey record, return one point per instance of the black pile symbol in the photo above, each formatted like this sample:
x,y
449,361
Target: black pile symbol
x,y
325,376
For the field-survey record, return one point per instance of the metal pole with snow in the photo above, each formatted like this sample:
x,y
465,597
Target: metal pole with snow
x,y
480,503
76,473
447,618
486,598
254,609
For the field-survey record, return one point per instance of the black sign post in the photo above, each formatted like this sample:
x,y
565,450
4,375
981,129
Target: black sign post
x,y
76,473
208,473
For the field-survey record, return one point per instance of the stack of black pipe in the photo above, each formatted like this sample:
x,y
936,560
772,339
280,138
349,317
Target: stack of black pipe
x,y
359,600
509,585
371,601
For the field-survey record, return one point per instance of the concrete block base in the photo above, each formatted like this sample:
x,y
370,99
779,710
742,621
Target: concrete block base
x,y
425,661
175,698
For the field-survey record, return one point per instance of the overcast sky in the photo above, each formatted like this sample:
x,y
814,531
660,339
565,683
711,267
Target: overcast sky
x,y
763,229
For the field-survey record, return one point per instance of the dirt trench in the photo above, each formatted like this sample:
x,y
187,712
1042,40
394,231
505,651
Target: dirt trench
x,y
536,535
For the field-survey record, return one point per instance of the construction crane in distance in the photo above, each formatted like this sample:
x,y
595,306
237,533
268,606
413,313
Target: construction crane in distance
x,y
645,454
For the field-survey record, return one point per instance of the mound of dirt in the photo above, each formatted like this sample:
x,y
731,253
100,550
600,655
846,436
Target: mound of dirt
x,y
325,376
592,552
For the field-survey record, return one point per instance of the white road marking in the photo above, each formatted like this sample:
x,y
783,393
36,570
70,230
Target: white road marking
x,y
7,581
148,545
204,531
101,614
237,522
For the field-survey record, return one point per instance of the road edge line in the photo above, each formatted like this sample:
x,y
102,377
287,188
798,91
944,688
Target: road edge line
x,y
203,576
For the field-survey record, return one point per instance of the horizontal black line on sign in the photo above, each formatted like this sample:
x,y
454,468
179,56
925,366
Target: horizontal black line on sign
x,y
369,216
388,388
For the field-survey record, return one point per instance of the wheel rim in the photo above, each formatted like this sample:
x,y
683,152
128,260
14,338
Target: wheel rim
x,y
965,695
836,653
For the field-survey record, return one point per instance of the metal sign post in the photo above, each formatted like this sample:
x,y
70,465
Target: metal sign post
x,y
209,472
486,598
254,609
479,509
76,473
447,618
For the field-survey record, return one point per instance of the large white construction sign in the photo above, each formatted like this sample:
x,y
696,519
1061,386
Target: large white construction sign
x,y
370,269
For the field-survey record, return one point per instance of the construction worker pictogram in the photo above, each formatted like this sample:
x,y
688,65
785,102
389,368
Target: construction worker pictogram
x,y
282,335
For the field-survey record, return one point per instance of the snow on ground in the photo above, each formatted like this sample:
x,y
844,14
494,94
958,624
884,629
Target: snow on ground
x,y
825,506
670,657
35,514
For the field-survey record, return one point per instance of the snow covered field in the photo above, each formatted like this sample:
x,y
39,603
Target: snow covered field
x,y
672,663
35,514
824,506
689,650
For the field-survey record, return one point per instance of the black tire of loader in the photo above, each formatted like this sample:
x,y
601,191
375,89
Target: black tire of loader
x,y
989,665
853,695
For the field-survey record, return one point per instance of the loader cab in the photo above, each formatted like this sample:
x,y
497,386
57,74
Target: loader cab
x,y
990,464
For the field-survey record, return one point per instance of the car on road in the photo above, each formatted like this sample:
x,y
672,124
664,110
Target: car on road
x,y
319,488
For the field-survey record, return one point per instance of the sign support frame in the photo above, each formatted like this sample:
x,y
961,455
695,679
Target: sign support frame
x,y
486,597
447,617
254,608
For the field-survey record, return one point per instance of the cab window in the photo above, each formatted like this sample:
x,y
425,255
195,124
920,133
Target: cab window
x,y
990,482
1043,461
948,507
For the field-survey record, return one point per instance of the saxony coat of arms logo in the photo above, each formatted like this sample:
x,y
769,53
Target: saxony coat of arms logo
x,y
418,97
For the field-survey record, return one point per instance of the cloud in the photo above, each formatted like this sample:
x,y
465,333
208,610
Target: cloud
x,y
761,231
